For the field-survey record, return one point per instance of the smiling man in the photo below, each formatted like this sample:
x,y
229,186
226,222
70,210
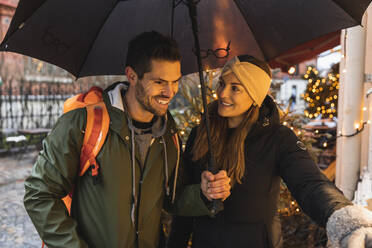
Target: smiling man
x,y
139,171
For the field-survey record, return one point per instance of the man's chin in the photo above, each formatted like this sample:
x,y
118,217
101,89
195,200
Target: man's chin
x,y
158,112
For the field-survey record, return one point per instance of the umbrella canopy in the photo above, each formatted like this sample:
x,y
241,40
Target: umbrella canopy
x,y
89,37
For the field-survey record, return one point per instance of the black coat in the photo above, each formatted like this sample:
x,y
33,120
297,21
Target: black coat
x,y
250,217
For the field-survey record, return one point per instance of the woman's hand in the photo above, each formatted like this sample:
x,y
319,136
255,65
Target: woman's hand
x,y
215,186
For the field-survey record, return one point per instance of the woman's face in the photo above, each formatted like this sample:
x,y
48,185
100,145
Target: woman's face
x,y
233,99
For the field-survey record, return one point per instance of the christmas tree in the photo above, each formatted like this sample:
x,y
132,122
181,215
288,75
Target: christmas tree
x,y
321,93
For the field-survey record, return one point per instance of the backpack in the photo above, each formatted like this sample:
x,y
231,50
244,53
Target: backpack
x,y
95,133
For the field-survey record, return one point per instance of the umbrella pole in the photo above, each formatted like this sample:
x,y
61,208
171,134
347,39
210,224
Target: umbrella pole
x,y
217,204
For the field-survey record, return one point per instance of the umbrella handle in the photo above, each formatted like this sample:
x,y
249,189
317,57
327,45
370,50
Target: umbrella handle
x,y
217,206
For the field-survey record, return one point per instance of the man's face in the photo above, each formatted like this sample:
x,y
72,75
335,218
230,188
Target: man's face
x,y
158,86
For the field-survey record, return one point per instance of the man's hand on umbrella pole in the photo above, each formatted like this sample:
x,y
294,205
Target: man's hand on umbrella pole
x,y
215,186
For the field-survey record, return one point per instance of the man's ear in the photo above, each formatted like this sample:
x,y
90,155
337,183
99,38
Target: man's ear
x,y
131,75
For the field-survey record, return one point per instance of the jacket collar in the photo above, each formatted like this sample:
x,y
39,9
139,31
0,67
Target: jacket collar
x,y
268,117
118,119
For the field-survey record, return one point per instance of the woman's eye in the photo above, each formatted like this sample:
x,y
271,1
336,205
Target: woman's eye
x,y
235,88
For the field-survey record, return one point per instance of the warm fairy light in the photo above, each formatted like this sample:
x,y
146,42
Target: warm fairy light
x,y
215,96
291,128
199,86
335,96
197,121
365,108
317,131
325,144
344,70
357,125
306,76
292,202
285,123
339,132
297,210
182,132
368,122
292,70
299,132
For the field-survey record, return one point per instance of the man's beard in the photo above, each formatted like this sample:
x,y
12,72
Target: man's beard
x,y
145,101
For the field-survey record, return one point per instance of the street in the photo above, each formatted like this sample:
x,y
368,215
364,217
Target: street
x,y
16,229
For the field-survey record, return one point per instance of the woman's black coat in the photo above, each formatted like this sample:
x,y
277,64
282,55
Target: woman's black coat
x,y
250,217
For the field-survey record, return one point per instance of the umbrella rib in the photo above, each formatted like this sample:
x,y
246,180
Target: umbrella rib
x,y
7,36
254,37
91,45
340,7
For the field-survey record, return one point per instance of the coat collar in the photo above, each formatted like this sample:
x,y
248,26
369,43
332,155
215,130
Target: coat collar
x,y
118,119
268,117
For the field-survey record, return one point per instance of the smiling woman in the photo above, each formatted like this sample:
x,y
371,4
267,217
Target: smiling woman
x,y
257,152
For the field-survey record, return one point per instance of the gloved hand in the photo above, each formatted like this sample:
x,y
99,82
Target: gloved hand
x,y
361,237
350,227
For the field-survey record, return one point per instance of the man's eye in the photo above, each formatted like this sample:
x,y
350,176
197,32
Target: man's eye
x,y
158,82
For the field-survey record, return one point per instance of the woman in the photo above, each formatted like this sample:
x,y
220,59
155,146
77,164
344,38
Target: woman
x,y
256,151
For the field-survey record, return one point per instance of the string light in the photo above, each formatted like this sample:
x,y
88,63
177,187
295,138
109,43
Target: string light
x,y
292,70
358,129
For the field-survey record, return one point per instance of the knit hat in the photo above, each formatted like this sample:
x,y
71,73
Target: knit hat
x,y
254,79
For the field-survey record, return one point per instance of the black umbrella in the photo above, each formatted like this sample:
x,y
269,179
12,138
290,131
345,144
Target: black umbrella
x,y
89,37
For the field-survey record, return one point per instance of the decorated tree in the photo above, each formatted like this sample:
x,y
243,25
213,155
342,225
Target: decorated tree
x,y
321,93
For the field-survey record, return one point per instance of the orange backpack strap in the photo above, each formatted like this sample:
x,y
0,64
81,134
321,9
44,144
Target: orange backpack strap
x,y
97,126
98,122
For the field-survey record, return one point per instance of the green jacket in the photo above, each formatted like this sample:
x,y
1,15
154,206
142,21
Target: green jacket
x,y
101,213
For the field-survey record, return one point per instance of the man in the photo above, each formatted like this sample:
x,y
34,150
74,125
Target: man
x,y
124,209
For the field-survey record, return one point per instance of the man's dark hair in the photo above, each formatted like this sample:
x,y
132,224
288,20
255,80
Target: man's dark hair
x,y
253,60
148,46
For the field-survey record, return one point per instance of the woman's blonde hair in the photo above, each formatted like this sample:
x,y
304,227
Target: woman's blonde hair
x,y
228,148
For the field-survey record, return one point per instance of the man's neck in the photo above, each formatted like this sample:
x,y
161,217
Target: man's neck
x,y
135,109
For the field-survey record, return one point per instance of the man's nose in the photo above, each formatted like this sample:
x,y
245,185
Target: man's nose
x,y
168,91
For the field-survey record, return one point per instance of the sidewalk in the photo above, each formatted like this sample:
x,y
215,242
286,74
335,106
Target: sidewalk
x,y
16,229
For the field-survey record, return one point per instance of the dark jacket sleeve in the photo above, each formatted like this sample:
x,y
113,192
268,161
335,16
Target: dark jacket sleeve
x,y
317,196
52,178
